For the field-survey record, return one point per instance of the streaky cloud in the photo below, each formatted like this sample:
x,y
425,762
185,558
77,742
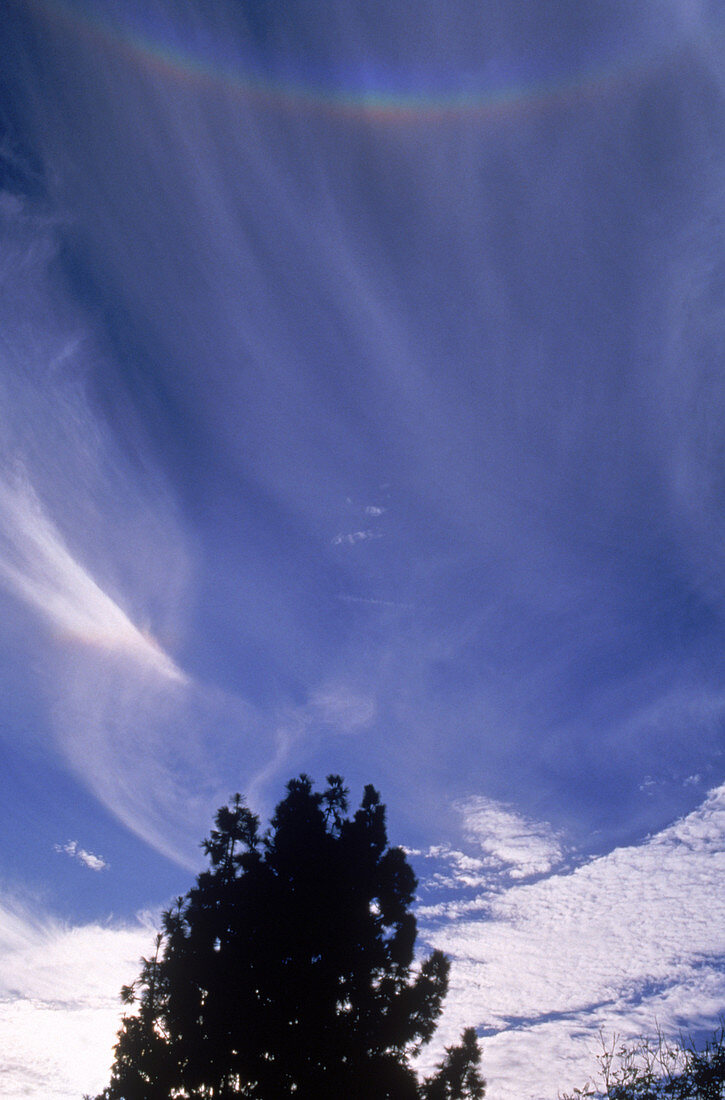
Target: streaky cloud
x,y
159,754
523,846
334,707
350,538
37,566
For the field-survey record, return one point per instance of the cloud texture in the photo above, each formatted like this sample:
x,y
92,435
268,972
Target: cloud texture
x,y
361,410
59,1001
619,944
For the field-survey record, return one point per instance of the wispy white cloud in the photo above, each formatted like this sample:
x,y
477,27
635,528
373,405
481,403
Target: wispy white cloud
x,y
342,707
59,1001
503,846
374,510
460,870
335,707
158,754
522,846
542,967
73,849
375,601
92,549
352,537
37,566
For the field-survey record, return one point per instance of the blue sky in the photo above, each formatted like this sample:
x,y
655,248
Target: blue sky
x,y
361,410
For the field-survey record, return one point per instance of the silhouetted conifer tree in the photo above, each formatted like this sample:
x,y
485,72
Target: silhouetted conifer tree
x,y
287,970
458,1076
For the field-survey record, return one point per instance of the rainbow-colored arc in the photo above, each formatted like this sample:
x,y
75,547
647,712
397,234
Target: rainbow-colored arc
x,y
182,63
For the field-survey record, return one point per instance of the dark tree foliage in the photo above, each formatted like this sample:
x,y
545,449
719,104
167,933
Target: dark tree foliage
x,y
458,1074
287,970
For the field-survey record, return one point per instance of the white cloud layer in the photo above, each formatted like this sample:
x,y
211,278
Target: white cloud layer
x,y
59,1002
630,937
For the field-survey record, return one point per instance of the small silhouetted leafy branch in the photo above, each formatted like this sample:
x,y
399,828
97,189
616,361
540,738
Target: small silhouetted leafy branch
x,y
657,1069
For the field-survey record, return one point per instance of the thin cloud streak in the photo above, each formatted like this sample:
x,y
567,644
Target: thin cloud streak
x,y
159,755
334,708
352,537
37,566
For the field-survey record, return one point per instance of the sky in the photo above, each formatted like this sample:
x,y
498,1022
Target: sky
x,y
361,411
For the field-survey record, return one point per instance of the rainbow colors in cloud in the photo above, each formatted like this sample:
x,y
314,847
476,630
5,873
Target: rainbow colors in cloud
x,y
360,97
